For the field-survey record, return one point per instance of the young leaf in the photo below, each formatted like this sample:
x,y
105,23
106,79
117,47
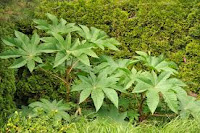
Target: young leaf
x,y
42,24
156,63
52,18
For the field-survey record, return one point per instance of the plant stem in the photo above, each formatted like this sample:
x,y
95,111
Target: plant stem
x,y
72,66
63,80
67,85
140,108
164,115
69,79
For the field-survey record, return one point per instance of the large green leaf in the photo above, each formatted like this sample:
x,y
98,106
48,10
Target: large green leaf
x,y
52,18
10,54
98,37
97,97
98,85
152,85
84,94
60,58
112,95
57,26
19,63
156,63
35,39
55,110
141,87
152,100
9,41
84,59
27,49
31,65
171,100
22,37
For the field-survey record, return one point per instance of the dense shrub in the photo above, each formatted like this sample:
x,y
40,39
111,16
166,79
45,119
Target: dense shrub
x,y
42,124
33,86
169,27
7,79
13,15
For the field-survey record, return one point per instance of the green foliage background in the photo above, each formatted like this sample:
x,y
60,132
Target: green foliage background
x,y
161,26
171,27
7,78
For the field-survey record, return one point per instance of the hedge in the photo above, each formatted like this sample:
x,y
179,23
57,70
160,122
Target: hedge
x,y
7,79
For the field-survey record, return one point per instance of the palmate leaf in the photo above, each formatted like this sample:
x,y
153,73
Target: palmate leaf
x,y
110,65
189,106
111,112
57,26
129,77
56,109
98,86
156,63
98,37
152,85
73,48
26,50
67,49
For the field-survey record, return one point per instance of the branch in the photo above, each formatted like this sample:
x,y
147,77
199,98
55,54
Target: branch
x,y
161,115
54,75
72,66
